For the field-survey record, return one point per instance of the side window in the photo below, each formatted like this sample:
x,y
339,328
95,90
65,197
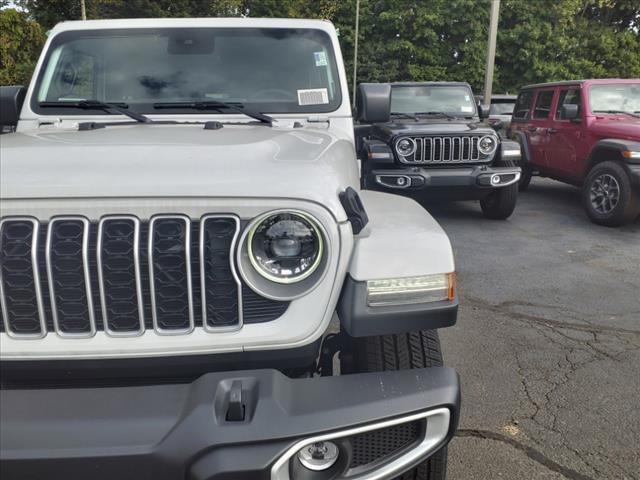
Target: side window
x,y
543,104
523,105
569,97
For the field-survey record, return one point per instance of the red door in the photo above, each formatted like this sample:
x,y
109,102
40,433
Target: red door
x,y
536,129
566,146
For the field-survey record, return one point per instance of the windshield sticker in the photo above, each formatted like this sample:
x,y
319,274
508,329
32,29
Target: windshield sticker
x,y
313,96
467,98
321,59
466,109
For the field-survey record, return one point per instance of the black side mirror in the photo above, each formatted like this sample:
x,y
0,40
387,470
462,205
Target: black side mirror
x,y
373,102
484,110
569,112
11,100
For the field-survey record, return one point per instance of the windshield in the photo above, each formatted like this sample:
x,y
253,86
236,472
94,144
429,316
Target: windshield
x,y
621,97
450,99
266,70
502,108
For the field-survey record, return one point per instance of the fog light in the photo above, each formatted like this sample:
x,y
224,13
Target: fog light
x,y
495,179
411,290
318,456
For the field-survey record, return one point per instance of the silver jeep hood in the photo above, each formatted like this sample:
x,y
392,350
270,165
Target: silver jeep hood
x,y
244,161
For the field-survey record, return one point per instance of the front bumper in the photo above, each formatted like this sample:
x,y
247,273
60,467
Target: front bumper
x,y
183,431
481,179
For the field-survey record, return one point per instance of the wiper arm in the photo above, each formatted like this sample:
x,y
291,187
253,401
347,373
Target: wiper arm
x,y
404,115
633,114
443,114
216,105
122,108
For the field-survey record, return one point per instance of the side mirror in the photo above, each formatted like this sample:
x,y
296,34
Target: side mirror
x,y
569,112
484,110
373,102
11,100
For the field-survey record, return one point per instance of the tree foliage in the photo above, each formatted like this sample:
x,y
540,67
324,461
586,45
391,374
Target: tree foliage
x,y
538,40
20,42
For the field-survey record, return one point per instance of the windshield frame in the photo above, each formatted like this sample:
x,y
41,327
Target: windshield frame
x,y
458,115
147,108
609,84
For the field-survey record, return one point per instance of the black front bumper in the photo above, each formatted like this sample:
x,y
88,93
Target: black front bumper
x,y
182,431
446,182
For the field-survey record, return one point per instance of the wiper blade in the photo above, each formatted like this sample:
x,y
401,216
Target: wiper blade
x,y
404,115
633,114
216,105
122,108
443,114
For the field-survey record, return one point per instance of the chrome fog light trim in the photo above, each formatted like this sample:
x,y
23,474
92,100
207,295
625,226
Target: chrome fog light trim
x,y
437,427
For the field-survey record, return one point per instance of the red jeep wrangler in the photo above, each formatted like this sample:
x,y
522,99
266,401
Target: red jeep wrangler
x,y
585,133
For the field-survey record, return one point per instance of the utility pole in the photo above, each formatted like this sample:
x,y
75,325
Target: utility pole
x,y
355,53
83,10
491,50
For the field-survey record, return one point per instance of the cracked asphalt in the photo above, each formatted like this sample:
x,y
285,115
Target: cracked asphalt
x,y
547,342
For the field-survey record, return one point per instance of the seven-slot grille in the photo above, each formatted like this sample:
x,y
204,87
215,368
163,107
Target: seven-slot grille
x,y
445,150
124,276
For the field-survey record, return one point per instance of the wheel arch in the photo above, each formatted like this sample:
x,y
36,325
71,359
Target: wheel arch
x,y
608,149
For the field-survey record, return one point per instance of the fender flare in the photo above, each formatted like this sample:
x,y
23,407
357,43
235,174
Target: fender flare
x,y
611,145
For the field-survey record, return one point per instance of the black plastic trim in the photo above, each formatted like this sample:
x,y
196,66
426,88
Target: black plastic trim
x,y
354,209
171,432
360,320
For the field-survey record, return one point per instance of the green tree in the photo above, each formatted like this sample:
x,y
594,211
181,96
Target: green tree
x,y
21,40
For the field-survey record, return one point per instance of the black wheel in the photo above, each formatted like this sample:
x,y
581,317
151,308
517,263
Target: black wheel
x,y
525,178
402,352
501,203
608,197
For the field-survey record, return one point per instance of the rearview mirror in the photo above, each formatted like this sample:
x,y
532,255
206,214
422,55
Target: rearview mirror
x,y
11,100
373,102
484,110
569,112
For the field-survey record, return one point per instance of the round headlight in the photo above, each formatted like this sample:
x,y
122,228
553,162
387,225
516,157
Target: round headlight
x,y
285,247
487,144
406,147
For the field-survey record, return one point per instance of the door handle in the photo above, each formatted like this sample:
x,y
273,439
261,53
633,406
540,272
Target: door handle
x,y
552,130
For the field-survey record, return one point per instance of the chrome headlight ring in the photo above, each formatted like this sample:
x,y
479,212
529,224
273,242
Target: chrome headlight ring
x,y
406,146
488,145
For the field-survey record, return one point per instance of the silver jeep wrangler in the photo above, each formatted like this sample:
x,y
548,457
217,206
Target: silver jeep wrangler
x,y
193,285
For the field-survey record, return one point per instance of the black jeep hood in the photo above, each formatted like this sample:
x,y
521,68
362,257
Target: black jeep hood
x,y
390,130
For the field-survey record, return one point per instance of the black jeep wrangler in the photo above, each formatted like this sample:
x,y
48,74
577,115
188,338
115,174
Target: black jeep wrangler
x,y
427,141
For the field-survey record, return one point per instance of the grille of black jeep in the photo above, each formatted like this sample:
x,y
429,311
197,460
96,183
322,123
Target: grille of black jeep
x,y
438,150
124,276
377,445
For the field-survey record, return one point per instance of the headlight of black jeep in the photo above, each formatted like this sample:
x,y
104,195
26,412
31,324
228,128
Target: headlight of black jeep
x,y
488,144
406,147
285,247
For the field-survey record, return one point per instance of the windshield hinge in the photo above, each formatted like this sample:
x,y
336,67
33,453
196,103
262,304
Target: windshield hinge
x,y
318,119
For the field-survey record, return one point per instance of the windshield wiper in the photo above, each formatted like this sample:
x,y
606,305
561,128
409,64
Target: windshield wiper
x,y
404,115
633,114
122,108
216,105
442,114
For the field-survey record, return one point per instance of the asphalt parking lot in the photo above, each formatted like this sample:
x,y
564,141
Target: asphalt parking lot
x,y
547,343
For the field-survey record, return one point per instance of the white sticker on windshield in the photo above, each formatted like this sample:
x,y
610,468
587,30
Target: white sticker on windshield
x,y
466,109
313,96
321,59
467,98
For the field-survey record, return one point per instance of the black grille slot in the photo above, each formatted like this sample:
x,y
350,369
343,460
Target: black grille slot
x,y
22,308
220,287
119,273
68,271
170,274
370,447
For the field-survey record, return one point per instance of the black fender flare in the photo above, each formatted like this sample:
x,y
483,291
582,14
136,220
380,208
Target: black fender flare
x,y
603,149
521,138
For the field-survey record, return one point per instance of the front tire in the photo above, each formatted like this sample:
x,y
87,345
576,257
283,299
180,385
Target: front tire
x,y
501,203
407,351
608,197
